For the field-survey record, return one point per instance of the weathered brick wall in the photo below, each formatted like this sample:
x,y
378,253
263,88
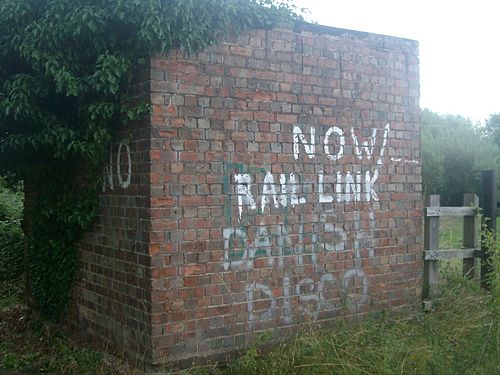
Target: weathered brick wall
x,y
283,185
114,290
286,185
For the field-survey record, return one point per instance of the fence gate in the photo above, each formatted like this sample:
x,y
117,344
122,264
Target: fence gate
x,y
470,253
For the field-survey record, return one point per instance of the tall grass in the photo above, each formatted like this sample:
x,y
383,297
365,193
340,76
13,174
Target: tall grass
x,y
461,336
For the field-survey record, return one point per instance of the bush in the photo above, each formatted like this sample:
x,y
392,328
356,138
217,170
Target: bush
x,y
11,233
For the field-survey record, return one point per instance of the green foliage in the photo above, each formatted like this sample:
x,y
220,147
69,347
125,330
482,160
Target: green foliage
x,y
490,242
57,224
454,152
66,67
493,128
31,347
11,234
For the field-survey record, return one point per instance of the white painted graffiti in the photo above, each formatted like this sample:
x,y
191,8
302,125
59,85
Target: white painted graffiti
x,y
338,187
314,293
288,192
123,177
313,296
367,146
283,246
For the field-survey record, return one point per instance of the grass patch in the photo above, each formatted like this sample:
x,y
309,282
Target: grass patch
x,y
10,294
451,232
461,336
29,346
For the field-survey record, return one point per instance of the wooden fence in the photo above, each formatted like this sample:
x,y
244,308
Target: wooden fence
x,y
476,257
470,253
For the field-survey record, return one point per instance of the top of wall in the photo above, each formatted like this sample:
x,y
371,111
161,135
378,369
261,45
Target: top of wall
x,y
335,31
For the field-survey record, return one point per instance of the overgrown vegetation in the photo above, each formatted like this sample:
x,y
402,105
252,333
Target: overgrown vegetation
x,y
65,70
460,336
11,235
35,347
11,242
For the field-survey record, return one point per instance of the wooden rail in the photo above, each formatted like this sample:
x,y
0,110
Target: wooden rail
x,y
470,253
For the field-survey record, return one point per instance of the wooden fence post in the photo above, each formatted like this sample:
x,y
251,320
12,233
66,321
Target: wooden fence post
x,y
489,211
431,242
471,235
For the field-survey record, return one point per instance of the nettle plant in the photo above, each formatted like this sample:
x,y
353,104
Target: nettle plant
x,y
65,69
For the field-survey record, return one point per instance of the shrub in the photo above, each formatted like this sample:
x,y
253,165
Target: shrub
x,y
11,234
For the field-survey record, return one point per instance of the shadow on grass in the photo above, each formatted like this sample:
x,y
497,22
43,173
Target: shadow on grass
x,y
30,346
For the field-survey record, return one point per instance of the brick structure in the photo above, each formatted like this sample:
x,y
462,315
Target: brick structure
x,y
276,181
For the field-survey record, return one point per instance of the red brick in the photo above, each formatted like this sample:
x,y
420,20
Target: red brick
x,y
193,269
190,201
166,254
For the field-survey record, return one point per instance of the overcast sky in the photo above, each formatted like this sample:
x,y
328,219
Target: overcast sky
x,y
459,45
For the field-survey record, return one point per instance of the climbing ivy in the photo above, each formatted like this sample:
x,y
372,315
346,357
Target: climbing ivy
x,y
65,70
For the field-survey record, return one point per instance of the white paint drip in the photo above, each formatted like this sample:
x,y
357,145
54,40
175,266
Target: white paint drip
x,y
268,189
294,199
405,161
283,196
243,189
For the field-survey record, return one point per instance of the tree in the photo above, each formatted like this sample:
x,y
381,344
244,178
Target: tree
x,y
454,151
65,67
493,128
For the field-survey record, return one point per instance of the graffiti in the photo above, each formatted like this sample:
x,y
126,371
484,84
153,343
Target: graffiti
x,y
243,189
367,147
288,192
340,152
123,177
351,189
286,246
320,291
124,183
338,187
298,138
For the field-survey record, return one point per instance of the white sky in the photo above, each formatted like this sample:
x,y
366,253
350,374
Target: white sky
x,y
459,45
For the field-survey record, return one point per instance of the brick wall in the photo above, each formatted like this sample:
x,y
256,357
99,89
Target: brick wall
x,y
114,290
279,180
